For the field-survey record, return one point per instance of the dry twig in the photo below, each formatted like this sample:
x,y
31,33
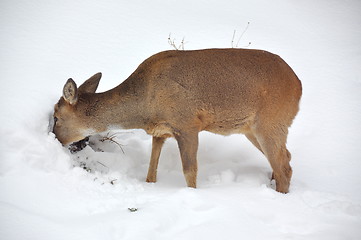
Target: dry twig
x,y
240,37
110,138
173,44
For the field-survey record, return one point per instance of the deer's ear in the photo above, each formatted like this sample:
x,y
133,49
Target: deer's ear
x,y
91,85
70,92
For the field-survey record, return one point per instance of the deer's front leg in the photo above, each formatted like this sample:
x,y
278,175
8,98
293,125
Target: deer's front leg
x,y
157,145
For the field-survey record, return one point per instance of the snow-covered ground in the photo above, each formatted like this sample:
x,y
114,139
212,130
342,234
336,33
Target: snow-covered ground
x,y
46,194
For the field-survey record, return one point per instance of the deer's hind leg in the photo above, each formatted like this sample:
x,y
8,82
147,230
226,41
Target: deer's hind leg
x,y
254,141
273,144
188,146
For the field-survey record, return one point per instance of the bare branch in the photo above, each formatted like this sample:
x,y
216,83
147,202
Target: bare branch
x,y
234,34
244,31
173,44
240,37
110,138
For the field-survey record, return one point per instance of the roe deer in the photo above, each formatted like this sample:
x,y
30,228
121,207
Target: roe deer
x,y
180,93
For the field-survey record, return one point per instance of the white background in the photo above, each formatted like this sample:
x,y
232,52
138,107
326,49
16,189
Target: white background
x,y
44,194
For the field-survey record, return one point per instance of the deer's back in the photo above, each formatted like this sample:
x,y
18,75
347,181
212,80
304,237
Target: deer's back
x,y
223,87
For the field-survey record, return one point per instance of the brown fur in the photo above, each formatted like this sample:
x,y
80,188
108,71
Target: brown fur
x,y
180,93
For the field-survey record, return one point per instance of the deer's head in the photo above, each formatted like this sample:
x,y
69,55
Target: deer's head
x,y
71,122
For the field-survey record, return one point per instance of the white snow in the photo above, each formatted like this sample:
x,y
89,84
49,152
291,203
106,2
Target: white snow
x,y
46,194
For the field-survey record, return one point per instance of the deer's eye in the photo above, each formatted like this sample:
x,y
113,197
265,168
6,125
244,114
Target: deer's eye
x,y
55,120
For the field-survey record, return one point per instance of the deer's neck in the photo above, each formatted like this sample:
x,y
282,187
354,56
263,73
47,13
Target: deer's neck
x,y
121,107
